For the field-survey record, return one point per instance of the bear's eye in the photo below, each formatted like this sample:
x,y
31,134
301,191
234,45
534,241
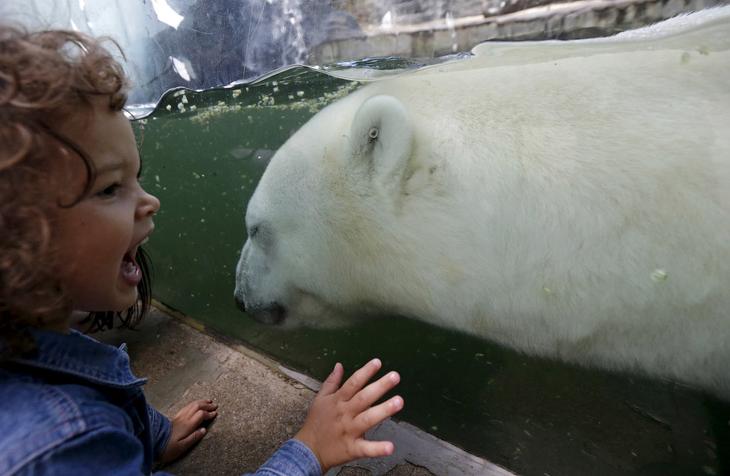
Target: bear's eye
x,y
261,234
373,134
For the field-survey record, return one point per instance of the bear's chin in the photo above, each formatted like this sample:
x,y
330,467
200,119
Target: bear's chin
x,y
272,315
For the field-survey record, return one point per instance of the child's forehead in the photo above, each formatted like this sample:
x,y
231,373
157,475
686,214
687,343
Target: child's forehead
x,y
77,120
83,113
97,117
105,136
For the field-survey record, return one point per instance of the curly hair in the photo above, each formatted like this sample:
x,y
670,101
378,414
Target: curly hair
x,y
45,78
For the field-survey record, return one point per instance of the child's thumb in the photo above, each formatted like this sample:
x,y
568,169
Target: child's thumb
x,y
192,438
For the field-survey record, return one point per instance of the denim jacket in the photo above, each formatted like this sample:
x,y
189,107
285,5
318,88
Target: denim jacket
x,y
76,408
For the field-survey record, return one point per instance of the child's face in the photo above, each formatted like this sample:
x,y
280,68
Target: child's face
x,y
98,237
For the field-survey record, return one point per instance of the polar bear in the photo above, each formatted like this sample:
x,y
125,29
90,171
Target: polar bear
x,y
567,199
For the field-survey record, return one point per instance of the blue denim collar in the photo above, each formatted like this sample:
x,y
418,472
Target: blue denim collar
x,y
81,356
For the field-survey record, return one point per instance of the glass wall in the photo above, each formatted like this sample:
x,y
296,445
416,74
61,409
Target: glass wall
x,y
205,146
197,43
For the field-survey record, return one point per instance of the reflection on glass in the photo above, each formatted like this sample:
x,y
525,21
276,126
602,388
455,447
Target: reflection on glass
x,y
200,44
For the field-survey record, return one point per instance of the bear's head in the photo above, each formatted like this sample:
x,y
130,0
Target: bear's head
x,y
332,227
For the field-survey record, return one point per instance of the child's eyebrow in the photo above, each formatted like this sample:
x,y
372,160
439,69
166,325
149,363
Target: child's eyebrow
x,y
109,167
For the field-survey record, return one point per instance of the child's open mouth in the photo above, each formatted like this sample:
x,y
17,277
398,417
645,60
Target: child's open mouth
x,y
130,269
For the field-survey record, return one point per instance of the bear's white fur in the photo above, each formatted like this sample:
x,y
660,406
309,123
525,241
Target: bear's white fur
x,y
569,199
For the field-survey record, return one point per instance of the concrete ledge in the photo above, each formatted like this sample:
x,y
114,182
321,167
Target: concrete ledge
x,y
413,446
261,404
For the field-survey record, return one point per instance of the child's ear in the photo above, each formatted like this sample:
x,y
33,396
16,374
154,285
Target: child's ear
x,y
381,138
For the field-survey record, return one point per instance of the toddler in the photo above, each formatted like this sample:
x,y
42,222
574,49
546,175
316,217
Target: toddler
x,y
73,218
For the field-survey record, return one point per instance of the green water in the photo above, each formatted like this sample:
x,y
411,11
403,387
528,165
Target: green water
x,y
203,154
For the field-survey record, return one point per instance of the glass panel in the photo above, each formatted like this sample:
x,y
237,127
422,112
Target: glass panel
x,y
204,153
196,43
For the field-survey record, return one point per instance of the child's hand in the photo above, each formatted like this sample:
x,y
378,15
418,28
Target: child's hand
x,y
187,429
339,416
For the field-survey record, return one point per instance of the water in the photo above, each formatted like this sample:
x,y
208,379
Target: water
x,y
203,153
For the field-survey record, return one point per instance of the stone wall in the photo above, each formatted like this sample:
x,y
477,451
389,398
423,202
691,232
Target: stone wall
x,y
371,12
441,36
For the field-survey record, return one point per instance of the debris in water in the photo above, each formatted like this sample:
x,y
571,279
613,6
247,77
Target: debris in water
x,y
659,275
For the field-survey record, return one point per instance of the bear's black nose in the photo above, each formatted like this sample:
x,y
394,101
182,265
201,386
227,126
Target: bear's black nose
x,y
271,313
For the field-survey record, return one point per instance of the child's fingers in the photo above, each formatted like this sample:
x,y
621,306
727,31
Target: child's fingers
x,y
192,438
196,405
370,394
201,415
359,379
193,421
374,449
332,383
375,415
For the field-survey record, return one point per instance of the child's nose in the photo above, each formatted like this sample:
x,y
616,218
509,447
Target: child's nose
x,y
149,204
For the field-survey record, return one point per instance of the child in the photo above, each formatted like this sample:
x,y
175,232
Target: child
x,y
73,217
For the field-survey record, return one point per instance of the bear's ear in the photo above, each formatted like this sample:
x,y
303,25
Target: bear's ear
x,y
381,137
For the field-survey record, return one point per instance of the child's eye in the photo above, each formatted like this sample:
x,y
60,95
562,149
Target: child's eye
x,y
109,191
